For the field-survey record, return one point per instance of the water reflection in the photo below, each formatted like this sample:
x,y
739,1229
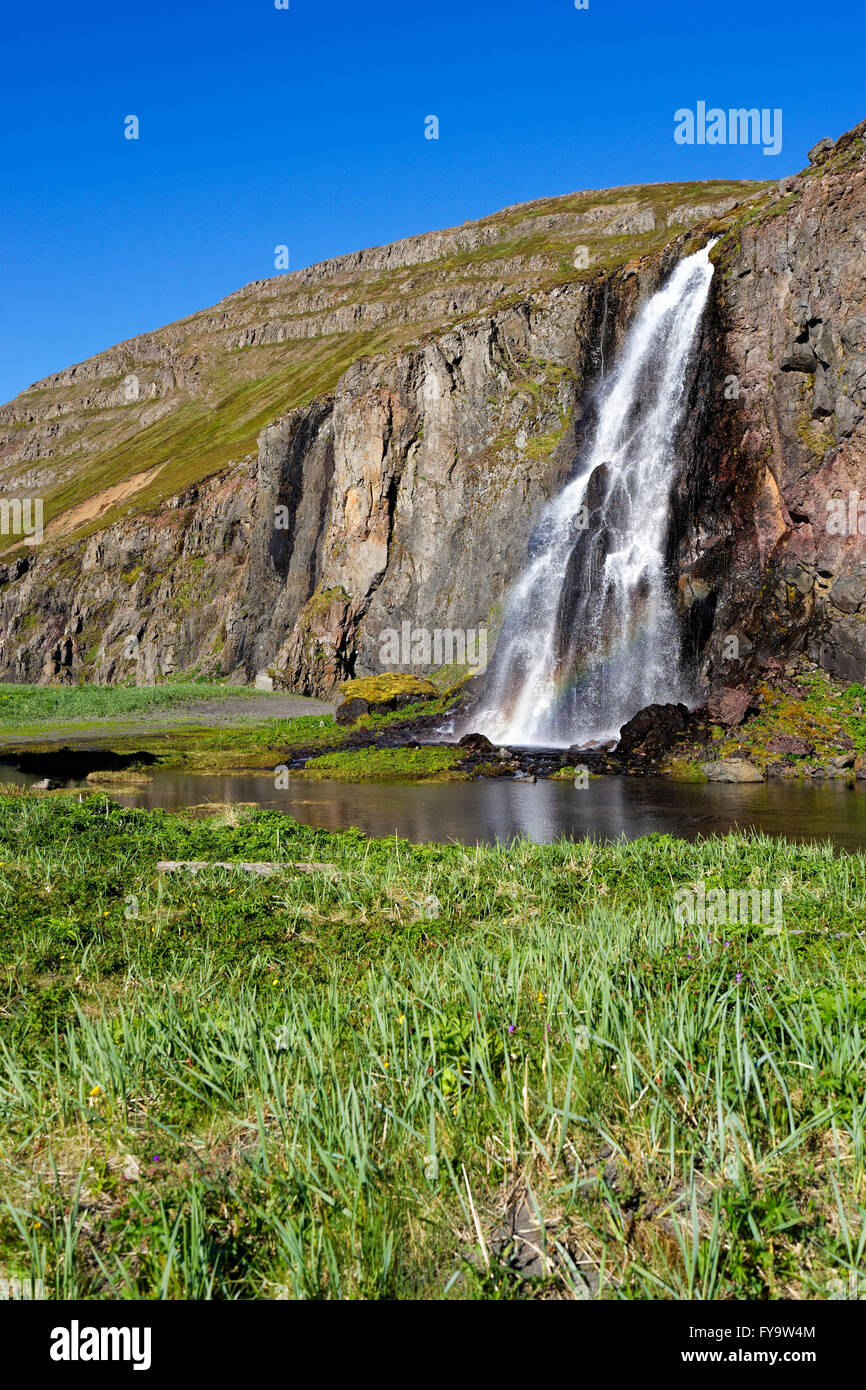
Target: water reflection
x,y
496,809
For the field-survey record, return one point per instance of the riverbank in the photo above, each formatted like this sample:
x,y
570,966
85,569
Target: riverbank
x,y
374,1069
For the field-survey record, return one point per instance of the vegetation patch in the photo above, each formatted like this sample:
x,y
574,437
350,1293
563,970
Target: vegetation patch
x,y
430,764
341,1081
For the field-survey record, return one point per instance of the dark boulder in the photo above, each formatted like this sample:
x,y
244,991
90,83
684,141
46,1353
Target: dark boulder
x,y
351,710
476,743
653,730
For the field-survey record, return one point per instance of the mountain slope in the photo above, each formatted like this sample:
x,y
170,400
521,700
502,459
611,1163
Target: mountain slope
x,y
192,397
328,454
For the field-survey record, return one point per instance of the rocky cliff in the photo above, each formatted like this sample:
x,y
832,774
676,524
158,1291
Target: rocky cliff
x,y
281,480
771,549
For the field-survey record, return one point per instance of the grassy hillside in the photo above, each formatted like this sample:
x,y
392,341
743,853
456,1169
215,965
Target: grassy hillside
x,y
211,382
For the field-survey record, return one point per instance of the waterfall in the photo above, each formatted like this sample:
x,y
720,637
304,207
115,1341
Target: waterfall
x,y
590,634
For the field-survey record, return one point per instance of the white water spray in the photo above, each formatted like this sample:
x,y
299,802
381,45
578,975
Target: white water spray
x,y
591,635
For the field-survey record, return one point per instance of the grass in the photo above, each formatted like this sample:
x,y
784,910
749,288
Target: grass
x,y
29,705
338,1083
388,765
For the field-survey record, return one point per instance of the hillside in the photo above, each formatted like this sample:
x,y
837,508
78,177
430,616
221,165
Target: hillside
x,y
210,383
330,453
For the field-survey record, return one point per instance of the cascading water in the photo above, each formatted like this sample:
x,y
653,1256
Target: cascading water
x,y
590,635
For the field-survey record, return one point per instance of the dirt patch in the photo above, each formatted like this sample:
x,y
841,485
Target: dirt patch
x,y
99,503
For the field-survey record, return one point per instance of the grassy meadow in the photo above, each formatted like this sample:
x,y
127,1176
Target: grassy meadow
x,y
387,1070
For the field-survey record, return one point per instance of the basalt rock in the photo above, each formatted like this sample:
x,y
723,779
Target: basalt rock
x,y
653,731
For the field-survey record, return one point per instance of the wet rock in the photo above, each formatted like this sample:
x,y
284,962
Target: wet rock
x,y
653,730
732,770
477,743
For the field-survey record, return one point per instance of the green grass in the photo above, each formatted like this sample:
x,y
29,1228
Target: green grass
x,y
337,1083
29,705
387,765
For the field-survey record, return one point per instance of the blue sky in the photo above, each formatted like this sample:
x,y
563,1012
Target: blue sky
x,y
305,127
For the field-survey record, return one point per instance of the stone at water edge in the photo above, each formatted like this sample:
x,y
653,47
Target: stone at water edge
x,y
653,729
732,770
478,743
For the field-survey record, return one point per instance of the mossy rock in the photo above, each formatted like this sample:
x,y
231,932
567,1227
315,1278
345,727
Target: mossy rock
x,y
381,694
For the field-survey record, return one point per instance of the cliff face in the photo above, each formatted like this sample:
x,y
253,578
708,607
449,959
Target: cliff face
x,y
409,456
768,561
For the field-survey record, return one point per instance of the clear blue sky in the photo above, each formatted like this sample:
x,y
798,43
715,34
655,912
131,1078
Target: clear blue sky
x,y
305,127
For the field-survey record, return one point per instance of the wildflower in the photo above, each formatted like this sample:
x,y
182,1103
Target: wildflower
x,y
402,1018
95,1095
738,977
540,997
511,1027
155,1158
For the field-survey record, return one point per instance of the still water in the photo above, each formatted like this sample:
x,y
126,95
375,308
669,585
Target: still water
x,y
488,810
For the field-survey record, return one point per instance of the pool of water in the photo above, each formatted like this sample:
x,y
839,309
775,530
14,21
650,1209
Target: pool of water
x,y
488,810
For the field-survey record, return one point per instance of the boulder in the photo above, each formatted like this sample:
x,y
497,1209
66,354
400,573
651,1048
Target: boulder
x,y
729,705
653,730
841,762
821,151
381,695
350,711
790,746
476,743
732,770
